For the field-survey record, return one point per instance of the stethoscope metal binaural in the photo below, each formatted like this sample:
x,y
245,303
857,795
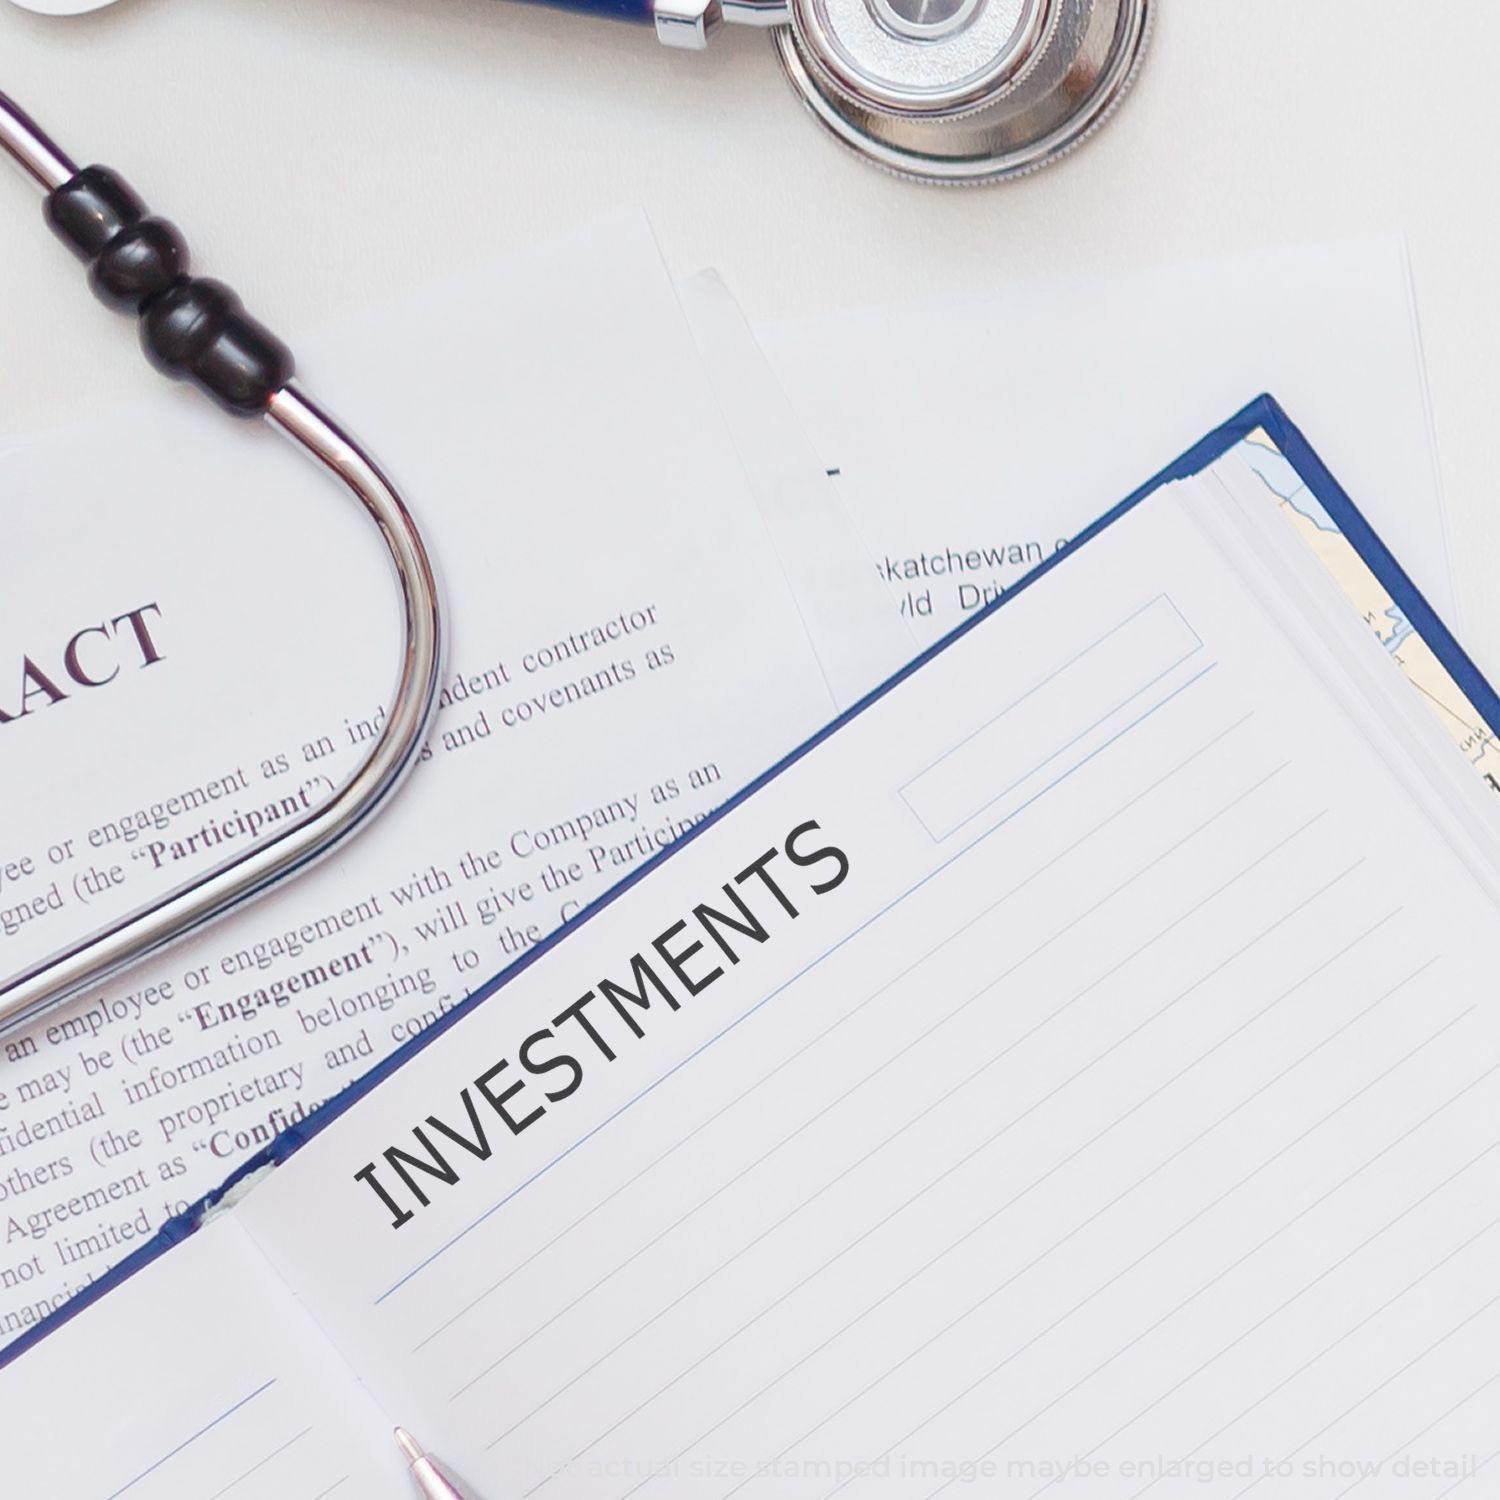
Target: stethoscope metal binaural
x,y
954,91
198,330
947,90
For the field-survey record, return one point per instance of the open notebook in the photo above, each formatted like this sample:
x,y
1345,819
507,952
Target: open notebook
x,y
1076,1070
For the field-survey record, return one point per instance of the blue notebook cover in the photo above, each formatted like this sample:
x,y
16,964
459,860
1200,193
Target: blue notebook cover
x,y
1293,474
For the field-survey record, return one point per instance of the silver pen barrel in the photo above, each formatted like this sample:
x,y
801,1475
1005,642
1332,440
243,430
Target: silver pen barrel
x,y
426,1475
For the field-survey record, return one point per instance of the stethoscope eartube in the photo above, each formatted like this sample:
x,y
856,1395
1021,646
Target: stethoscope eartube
x,y
197,330
956,91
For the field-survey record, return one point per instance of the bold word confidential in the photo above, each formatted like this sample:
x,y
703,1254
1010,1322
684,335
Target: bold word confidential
x,y
552,1064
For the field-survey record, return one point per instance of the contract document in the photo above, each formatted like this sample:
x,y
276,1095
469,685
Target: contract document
x,y
1076,1072
207,652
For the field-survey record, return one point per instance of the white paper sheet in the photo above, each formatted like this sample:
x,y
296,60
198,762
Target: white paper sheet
x,y
625,652
831,571
204,1377
971,436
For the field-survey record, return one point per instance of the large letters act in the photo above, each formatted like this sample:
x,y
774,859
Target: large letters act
x,y
92,657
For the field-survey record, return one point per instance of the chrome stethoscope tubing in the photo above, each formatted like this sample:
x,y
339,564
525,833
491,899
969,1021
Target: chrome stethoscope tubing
x,y
197,330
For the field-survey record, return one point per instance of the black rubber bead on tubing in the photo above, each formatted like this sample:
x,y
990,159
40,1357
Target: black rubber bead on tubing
x,y
199,330
91,208
191,328
139,263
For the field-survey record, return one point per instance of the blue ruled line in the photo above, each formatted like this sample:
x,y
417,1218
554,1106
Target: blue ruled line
x,y
188,1442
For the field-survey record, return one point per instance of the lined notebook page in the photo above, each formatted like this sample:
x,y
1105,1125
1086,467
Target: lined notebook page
x,y
1123,1121
197,1379
1099,1095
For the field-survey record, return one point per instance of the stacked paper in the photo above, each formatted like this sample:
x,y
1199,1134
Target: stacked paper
x,y
668,560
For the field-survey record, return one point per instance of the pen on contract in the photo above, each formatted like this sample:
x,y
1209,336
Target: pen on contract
x,y
426,1474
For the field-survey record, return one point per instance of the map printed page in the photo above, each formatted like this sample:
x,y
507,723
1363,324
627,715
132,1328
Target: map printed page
x,y
1076,1075
1321,535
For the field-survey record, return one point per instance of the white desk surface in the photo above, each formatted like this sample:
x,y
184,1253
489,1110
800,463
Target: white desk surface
x,y
321,154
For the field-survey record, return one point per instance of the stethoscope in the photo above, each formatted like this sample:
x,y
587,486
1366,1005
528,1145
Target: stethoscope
x,y
958,91
953,90
197,330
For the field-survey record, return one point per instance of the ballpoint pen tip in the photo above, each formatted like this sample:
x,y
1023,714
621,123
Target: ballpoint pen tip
x,y
408,1445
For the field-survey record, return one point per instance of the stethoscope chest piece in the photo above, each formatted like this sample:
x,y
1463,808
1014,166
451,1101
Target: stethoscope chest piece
x,y
962,90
